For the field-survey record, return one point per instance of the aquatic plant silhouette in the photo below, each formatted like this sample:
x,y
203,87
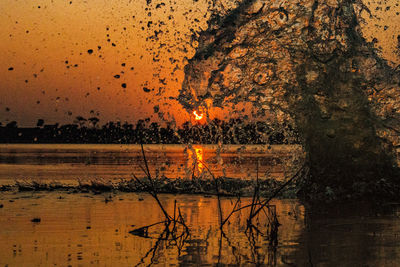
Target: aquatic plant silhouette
x,y
167,239
257,205
255,227
152,190
172,224
175,232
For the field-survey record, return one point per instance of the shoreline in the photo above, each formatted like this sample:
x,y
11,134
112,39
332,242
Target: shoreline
x,y
229,187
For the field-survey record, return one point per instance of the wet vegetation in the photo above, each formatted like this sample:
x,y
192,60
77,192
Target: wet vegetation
x,y
261,216
227,186
306,69
261,219
203,184
257,226
305,66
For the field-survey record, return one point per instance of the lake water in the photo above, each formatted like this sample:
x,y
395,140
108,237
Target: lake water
x,y
84,230
69,162
67,229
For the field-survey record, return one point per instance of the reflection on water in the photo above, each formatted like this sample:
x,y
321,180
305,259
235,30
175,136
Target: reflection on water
x,y
72,162
195,159
353,235
83,230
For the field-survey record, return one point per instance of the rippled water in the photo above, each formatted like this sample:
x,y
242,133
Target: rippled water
x,y
87,229
71,162
83,230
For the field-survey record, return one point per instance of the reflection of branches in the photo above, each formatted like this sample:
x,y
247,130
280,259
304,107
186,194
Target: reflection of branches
x,y
170,239
256,205
253,231
170,234
175,231
152,251
235,251
258,258
261,205
271,234
252,237
150,187
216,184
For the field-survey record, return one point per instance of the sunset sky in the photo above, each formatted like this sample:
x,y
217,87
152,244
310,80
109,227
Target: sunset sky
x,y
117,60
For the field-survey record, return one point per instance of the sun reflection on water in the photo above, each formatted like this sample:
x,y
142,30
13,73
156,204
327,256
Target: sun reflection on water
x,y
196,159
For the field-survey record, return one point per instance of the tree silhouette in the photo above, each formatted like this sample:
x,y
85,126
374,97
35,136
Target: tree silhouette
x,y
40,123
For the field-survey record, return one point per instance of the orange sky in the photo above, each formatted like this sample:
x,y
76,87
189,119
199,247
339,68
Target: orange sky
x,y
42,45
54,77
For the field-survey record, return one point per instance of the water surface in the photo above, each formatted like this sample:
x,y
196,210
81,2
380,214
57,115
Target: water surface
x,y
68,162
84,229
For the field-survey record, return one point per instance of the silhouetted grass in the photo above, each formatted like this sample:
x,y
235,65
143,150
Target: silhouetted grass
x,y
227,186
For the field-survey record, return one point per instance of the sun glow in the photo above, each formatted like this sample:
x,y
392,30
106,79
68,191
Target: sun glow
x,y
195,159
199,157
197,116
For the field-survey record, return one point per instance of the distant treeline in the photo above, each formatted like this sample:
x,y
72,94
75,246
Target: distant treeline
x,y
234,131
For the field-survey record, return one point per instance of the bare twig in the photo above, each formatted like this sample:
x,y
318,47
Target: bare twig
x,y
218,193
265,202
279,190
151,189
168,234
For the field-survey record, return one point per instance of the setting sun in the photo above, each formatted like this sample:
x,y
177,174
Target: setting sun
x,y
197,116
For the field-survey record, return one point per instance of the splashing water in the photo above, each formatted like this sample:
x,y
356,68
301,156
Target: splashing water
x,y
305,64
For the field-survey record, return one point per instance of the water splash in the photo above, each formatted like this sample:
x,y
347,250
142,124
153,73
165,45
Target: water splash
x,y
307,64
